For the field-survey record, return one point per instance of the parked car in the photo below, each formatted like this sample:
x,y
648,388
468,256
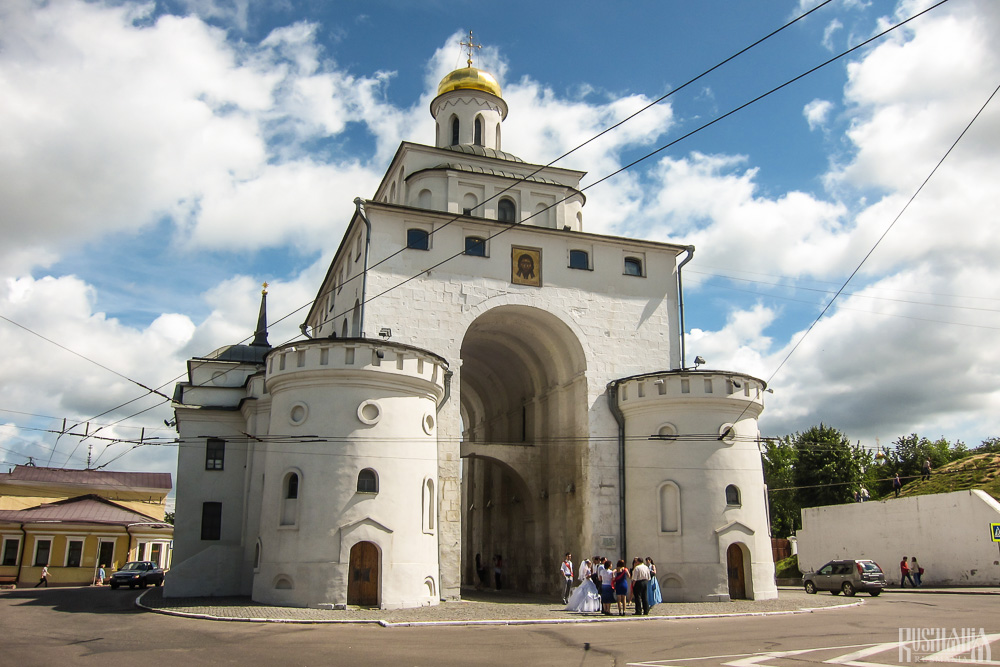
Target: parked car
x,y
846,576
139,573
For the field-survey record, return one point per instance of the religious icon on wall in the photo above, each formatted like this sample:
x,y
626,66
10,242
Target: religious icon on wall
x,y
526,266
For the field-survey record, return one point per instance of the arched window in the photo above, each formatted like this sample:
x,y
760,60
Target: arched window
x,y
670,508
356,320
454,130
633,266
478,138
498,137
579,259
367,481
424,199
343,330
418,239
256,557
506,211
289,500
475,246
428,503
733,495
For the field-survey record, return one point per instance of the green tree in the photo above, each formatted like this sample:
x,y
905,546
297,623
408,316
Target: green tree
x,y
828,469
169,518
778,458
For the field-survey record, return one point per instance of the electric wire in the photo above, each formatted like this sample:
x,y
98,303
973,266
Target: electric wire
x,y
614,173
520,180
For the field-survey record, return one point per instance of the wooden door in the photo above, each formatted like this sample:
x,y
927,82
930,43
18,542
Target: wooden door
x,y
362,585
737,581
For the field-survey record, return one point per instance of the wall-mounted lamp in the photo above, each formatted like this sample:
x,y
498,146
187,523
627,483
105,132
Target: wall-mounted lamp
x,y
698,361
736,383
385,332
380,354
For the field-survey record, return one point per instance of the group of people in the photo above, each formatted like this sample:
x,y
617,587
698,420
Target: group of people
x,y
910,572
481,572
603,585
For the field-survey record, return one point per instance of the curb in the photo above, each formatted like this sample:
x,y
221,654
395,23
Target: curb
x,y
536,621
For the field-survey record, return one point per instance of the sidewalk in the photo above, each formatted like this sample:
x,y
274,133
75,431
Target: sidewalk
x,y
482,608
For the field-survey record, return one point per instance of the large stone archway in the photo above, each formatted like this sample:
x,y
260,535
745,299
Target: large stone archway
x,y
524,410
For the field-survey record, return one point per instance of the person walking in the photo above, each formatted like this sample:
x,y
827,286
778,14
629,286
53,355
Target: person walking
x,y
640,587
926,471
897,484
100,575
904,574
916,571
567,572
45,577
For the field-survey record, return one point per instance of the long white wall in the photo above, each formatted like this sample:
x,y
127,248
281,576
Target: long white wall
x,y
947,532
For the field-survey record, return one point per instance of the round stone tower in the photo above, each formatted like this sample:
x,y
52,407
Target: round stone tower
x,y
349,469
694,492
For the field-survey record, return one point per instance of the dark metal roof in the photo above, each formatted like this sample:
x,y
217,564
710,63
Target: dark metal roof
x,y
107,479
246,354
472,149
475,169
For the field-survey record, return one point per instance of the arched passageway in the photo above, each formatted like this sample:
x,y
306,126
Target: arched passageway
x,y
524,409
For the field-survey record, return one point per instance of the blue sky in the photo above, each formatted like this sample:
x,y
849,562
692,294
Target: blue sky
x,y
161,160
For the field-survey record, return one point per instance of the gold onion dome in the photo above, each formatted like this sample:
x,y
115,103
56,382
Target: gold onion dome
x,y
470,78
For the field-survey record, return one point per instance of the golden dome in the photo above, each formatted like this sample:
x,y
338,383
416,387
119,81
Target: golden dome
x,y
469,78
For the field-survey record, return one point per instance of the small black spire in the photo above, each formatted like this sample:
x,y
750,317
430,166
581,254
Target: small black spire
x,y
260,336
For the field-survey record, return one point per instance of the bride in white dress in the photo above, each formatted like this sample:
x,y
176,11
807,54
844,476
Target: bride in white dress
x,y
584,597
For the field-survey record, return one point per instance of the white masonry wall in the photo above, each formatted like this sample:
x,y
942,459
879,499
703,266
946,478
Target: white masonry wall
x,y
949,533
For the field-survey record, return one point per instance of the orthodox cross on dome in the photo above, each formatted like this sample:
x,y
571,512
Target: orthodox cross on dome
x,y
264,290
470,45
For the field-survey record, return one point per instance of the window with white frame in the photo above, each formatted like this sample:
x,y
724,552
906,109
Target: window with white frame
x,y
43,549
74,552
11,547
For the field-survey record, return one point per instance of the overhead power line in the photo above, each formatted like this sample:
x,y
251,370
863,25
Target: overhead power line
x,y
624,168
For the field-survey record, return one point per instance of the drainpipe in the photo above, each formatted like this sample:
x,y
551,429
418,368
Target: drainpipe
x,y
680,297
447,389
359,203
620,418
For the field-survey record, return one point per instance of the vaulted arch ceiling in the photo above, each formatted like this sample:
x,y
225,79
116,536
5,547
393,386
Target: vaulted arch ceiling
x,y
512,354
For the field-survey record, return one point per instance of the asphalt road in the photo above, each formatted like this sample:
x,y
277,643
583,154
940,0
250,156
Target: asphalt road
x,y
80,626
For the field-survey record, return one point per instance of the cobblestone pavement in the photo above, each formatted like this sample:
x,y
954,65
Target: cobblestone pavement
x,y
478,607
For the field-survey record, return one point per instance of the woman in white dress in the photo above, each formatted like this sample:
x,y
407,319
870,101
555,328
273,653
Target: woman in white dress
x,y
584,597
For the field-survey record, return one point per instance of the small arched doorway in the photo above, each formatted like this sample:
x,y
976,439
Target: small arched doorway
x,y
363,579
737,576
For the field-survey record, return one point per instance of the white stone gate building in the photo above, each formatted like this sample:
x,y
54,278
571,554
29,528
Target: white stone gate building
x,y
477,375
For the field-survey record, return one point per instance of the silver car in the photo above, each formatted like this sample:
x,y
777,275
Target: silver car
x,y
846,576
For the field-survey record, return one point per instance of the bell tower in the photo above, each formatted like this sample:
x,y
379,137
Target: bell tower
x,y
469,108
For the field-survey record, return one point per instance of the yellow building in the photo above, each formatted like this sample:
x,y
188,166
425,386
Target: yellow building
x,y
74,521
